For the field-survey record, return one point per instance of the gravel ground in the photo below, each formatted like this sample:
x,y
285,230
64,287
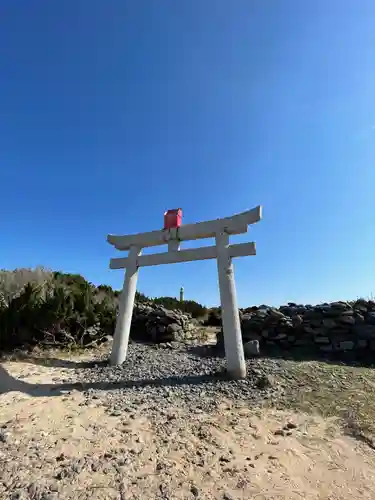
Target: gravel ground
x,y
179,376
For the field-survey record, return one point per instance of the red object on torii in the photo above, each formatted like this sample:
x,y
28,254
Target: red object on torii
x,y
173,218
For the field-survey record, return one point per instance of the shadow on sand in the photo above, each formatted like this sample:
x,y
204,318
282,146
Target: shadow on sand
x,y
8,383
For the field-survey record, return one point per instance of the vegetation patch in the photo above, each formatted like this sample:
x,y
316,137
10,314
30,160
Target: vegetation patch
x,y
333,390
49,309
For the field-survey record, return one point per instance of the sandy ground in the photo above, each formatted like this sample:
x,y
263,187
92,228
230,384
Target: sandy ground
x,y
56,446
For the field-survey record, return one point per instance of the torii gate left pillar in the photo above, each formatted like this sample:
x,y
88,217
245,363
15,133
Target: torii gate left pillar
x,y
125,313
219,229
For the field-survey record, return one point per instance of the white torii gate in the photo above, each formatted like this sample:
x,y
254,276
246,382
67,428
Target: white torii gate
x,y
220,229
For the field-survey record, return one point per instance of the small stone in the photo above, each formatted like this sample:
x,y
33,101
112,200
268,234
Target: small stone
x,y
159,466
279,432
78,466
49,496
116,413
326,348
251,348
322,340
194,490
19,495
227,496
263,382
346,345
33,490
297,320
173,328
329,323
3,437
291,425
347,320
370,318
60,457
280,336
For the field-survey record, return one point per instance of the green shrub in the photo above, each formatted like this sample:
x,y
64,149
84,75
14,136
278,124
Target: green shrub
x,y
54,308
38,306
187,306
141,297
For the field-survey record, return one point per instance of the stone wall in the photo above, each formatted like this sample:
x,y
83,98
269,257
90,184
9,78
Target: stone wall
x,y
151,323
339,327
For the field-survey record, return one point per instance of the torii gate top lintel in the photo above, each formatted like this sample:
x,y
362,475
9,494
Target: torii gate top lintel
x,y
236,224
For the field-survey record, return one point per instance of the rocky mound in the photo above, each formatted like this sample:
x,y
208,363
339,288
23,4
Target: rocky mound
x,y
166,377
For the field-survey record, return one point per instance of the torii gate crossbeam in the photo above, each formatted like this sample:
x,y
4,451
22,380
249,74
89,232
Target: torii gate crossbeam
x,y
220,229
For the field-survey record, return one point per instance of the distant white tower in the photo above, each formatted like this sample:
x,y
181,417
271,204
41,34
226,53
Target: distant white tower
x,y
182,294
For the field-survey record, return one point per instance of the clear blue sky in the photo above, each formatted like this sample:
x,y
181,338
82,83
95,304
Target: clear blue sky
x,y
114,110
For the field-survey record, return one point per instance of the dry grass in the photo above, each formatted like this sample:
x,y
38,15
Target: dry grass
x,y
13,282
345,392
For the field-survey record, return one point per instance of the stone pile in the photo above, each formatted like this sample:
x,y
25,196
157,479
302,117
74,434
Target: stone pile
x,y
156,324
335,327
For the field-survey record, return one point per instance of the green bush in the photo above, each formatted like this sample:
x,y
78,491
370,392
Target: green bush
x,y
213,317
187,306
141,297
38,306
59,310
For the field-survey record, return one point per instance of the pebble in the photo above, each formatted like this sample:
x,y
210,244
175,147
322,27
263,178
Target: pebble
x,y
194,490
291,425
279,432
227,496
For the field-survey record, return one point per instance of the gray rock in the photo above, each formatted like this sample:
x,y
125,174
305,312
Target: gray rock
x,y
4,436
297,320
279,432
194,490
291,425
362,343
251,348
280,336
251,336
173,327
346,345
322,340
364,331
19,495
302,342
326,347
329,322
263,382
227,496
276,313
370,318
348,320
